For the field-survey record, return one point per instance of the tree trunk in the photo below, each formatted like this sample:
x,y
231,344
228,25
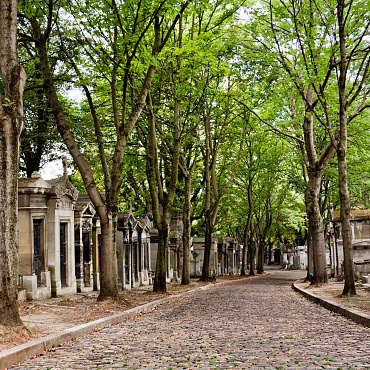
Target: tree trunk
x,y
161,200
108,260
315,169
345,206
207,206
252,256
162,259
11,123
108,278
243,271
186,214
260,257
212,191
207,248
263,238
9,243
315,226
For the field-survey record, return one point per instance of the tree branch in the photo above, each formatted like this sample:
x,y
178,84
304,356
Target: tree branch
x,y
270,125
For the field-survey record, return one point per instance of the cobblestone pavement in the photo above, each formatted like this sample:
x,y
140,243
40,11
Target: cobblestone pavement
x,y
257,324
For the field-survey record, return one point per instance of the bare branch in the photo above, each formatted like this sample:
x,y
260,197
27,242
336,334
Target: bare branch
x,y
270,125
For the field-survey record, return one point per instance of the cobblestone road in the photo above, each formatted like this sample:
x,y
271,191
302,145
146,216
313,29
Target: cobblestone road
x,y
257,324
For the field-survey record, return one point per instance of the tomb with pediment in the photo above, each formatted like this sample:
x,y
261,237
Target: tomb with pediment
x,y
46,236
34,273
86,245
175,246
61,256
133,251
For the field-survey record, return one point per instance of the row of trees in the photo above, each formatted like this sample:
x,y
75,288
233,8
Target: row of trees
x,y
323,49
229,114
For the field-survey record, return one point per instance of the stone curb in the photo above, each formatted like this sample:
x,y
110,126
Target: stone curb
x,y
354,315
25,351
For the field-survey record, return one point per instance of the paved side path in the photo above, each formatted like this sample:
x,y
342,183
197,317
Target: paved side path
x,y
257,324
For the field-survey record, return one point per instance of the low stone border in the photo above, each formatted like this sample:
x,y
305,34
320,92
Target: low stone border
x,y
25,351
354,315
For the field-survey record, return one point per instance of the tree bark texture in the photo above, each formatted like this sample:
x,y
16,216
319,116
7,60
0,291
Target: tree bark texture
x,y
252,256
315,169
9,243
108,259
207,248
261,255
345,209
162,259
243,271
345,206
315,226
309,256
11,124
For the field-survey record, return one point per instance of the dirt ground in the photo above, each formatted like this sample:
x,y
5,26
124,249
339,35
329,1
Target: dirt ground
x,y
46,317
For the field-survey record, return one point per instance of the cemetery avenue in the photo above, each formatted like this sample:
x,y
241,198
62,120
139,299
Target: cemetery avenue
x,y
259,323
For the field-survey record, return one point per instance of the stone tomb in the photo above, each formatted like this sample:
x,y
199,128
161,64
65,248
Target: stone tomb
x,y
197,257
133,251
61,245
175,248
360,223
34,274
85,245
145,225
46,236
225,256
229,256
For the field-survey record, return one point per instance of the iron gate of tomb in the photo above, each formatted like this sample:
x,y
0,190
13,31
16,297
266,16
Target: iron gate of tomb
x,y
86,257
127,247
63,254
37,250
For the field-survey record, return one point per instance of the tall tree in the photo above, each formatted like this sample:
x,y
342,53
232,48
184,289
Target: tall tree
x,y
168,118
216,123
187,166
260,191
354,58
308,69
162,196
13,80
323,48
116,62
